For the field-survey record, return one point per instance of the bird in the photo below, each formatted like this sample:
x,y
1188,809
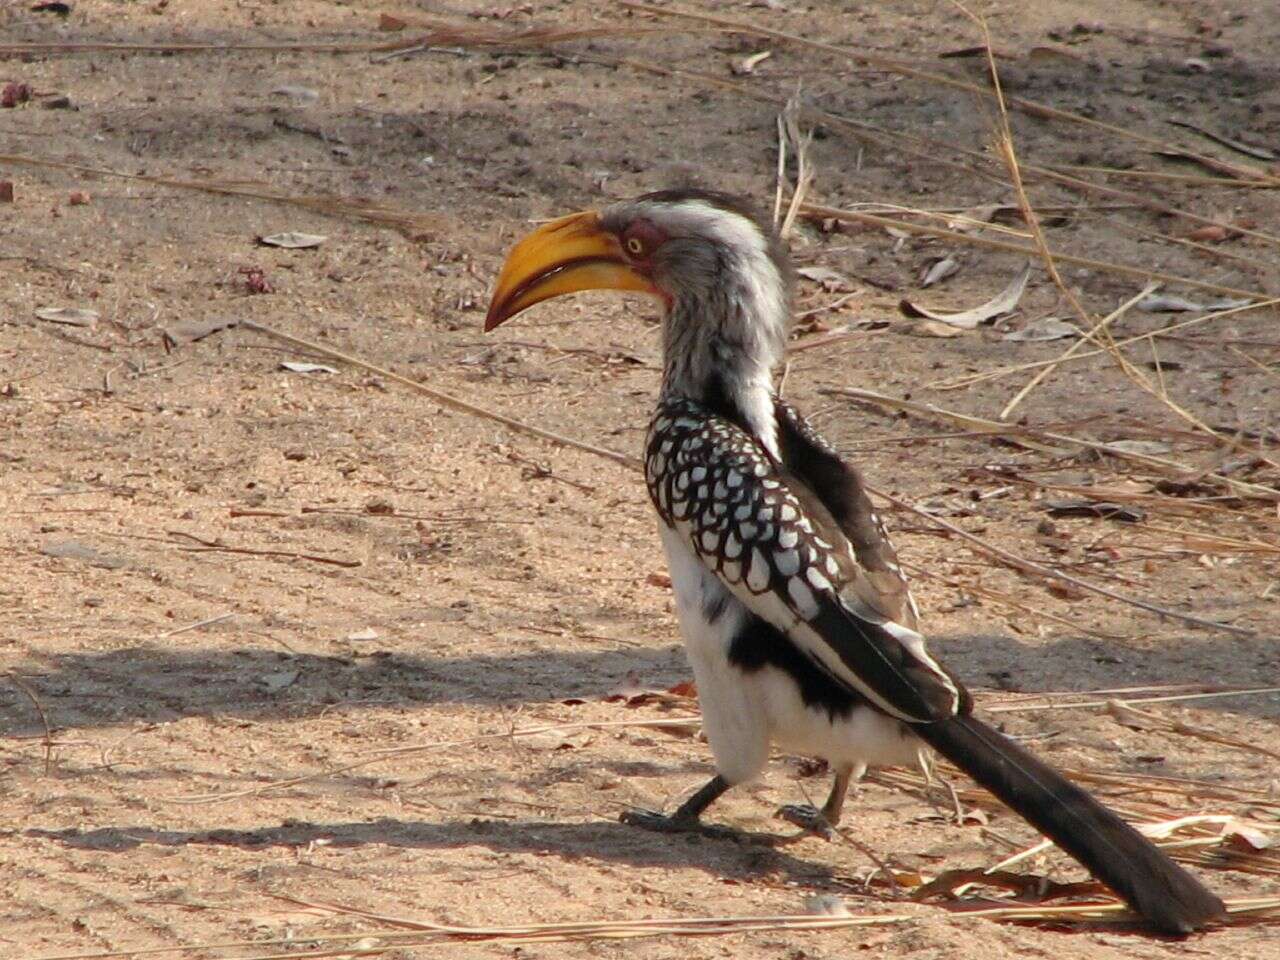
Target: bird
x,y
796,617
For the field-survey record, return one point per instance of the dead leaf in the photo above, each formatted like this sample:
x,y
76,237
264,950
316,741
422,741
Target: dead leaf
x,y
1065,591
389,24
1210,234
6,191
1094,508
295,93
962,53
747,65
1214,165
1028,887
833,281
296,367
973,218
1170,303
558,740
1145,448
293,240
1002,303
934,329
1248,839
255,280
78,198
938,271
1049,55
632,693
1260,153
14,93
658,580
192,330
1044,329
70,316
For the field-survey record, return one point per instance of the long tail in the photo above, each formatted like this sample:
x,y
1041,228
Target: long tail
x,y
1114,852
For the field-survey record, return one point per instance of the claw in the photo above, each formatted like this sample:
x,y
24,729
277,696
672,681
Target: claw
x,y
807,818
664,823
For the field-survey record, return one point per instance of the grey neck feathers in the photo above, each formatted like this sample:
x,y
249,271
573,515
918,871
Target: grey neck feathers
x,y
720,344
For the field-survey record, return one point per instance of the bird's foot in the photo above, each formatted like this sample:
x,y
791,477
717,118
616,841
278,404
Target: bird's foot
x,y
807,818
669,823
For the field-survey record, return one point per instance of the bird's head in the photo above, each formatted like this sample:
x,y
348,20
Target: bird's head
x,y
722,275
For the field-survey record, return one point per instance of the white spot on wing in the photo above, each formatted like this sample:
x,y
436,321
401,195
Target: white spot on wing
x,y
802,598
732,546
818,581
758,575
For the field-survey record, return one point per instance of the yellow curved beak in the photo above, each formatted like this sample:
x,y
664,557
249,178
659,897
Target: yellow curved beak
x,y
564,256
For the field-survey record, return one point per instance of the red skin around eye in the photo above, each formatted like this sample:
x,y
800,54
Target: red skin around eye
x,y
648,234
652,237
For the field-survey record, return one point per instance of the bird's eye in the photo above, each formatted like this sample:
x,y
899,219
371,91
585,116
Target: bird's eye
x,y
635,246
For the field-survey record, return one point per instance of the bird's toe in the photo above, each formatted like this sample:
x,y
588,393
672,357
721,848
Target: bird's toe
x,y
665,823
807,818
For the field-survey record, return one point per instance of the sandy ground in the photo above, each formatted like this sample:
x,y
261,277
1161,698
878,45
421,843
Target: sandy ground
x,y
437,580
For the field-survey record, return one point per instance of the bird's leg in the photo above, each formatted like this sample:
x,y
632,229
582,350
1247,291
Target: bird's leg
x,y
822,822
686,816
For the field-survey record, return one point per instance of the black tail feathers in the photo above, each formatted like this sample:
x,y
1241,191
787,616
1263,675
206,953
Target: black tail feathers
x,y
1115,853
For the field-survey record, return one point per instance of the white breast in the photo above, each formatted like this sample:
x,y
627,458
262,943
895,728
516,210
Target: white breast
x,y
745,713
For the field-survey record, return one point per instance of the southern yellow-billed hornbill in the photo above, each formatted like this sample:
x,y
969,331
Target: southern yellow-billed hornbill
x,y
797,621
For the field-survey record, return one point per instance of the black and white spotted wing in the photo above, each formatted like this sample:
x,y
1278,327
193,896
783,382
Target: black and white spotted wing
x,y
780,552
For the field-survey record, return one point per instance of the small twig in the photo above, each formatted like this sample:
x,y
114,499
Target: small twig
x,y
969,380
1007,601
1020,434
444,399
215,546
1102,266
1047,573
1096,704
286,554
903,68
399,752
1191,179
196,626
44,718
533,470
804,173
1075,348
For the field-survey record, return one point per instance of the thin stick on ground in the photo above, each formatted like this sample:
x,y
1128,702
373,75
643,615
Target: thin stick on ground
x,y
1091,337
399,752
926,148
443,35
1099,334
1046,573
804,171
1103,704
1118,269
969,380
903,68
1006,601
30,694
444,399
1020,434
